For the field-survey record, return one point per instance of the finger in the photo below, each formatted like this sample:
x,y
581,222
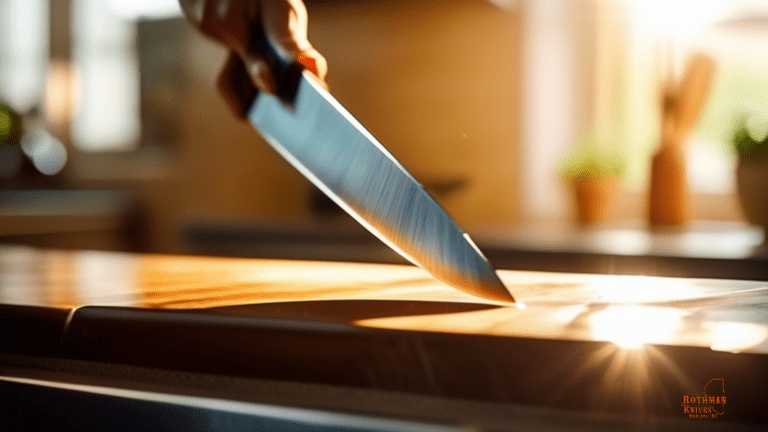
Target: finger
x,y
227,21
236,86
285,23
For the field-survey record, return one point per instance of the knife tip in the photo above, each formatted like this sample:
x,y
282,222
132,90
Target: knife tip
x,y
496,290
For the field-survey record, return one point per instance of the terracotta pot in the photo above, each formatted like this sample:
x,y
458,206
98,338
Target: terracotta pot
x,y
594,199
752,186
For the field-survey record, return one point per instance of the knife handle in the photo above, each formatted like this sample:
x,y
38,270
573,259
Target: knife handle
x,y
287,73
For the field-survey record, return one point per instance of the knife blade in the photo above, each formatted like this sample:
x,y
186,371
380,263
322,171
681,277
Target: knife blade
x,y
306,125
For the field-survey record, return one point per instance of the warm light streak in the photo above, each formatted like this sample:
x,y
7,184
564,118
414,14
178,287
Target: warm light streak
x,y
506,5
108,278
678,18
223,282
735,336
630,326
62,93
642,289
153,9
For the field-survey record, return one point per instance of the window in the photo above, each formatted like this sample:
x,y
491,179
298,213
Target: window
x,y
23,52
105,38
593,66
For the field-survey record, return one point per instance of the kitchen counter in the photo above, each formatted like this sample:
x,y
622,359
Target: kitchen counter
x,y
587,352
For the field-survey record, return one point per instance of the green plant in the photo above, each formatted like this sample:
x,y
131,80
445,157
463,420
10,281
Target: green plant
x,y
591,159
745,143
9,126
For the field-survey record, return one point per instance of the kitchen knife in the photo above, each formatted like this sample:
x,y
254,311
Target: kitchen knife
x,y
313,132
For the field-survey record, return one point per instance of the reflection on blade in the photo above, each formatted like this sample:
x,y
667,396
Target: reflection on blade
x,y
328,146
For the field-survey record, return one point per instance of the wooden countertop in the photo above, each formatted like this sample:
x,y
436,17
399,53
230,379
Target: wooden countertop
x,y
727,315
587,342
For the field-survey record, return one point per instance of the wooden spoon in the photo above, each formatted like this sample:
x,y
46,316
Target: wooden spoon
x,y
681,108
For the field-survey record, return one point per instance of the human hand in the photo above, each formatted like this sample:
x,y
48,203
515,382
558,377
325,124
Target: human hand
x,y
245,71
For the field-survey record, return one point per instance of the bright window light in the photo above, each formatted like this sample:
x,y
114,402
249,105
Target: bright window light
x,y
23,52
105,55
136,9
678,18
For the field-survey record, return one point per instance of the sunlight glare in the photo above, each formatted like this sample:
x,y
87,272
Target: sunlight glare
x,y
630,326
735,336
643,289
678,18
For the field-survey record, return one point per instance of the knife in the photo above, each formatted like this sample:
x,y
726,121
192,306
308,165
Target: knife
x,y
323,141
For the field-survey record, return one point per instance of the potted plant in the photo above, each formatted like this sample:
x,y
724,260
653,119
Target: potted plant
x,y
750,141
593,170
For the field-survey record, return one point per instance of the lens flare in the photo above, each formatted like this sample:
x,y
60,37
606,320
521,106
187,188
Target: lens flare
x,y
631,326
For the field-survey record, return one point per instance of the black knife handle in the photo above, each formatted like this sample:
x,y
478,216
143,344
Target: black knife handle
x,y
287,73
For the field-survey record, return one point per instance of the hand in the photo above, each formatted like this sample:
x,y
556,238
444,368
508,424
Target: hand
x,y
245,71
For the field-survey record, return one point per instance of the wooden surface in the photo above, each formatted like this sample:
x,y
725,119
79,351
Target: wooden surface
x,y
623,346
726,315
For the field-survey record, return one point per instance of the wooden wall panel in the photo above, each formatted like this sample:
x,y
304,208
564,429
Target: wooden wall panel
x,y
438,82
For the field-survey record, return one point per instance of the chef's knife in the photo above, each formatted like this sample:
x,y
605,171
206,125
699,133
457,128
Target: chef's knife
x,y
311,130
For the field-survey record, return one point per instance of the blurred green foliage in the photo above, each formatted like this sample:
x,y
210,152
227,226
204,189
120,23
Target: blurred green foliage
x,y
592,158
746,144
10,125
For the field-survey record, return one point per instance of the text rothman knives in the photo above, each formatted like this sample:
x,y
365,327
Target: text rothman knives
x,y
311,130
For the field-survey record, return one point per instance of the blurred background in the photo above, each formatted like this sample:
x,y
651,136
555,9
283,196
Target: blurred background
x,y
114,137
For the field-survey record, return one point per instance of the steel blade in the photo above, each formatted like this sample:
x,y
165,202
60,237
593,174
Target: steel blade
x,y
336,153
